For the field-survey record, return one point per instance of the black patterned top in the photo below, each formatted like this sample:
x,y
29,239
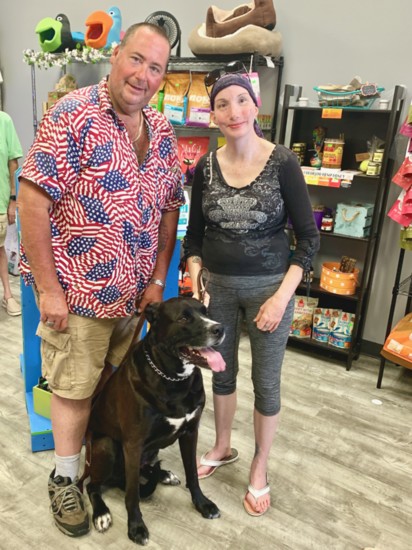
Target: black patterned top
x,y
242,231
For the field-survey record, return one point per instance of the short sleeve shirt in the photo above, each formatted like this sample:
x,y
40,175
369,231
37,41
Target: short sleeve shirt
x,y
10,149
106,207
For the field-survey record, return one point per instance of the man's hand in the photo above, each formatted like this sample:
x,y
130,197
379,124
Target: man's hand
x,y
153,293
53,310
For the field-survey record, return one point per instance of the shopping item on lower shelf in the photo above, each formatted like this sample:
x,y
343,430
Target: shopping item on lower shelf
x,y
303,316
353,220
347,264
321,323
341,329
337,282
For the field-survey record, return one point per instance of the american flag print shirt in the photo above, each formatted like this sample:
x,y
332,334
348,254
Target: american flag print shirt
x,y
106,207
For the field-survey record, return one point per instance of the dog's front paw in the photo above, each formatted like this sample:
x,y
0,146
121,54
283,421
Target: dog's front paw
x,y
102,522
208,509
138,533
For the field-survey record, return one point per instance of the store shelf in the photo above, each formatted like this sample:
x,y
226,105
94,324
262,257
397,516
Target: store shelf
x,y
316,289
205,63
319,348
358,126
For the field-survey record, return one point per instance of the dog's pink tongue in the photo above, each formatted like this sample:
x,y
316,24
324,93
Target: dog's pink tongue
x,y
214,359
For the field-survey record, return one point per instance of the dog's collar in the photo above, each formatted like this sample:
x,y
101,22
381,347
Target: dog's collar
x,y
162,374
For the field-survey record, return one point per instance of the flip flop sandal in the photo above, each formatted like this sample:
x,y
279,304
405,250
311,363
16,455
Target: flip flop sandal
x,y
256,493
215,464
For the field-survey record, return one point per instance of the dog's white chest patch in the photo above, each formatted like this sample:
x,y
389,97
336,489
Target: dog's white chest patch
x,y
177,422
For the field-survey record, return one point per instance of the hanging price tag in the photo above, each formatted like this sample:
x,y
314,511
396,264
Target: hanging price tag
x,y
332,113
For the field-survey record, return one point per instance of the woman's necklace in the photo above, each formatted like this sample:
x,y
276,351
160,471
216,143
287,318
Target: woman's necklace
x,y
139,133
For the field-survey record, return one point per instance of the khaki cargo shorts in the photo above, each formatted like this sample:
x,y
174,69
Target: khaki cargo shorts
x,y
3,228
73,360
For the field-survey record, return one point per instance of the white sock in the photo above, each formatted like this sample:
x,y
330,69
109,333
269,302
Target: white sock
x,y
67,466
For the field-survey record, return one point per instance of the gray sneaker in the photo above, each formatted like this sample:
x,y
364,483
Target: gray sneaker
x,y
67,506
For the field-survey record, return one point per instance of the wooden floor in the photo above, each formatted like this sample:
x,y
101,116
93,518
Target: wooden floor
x,y
340,470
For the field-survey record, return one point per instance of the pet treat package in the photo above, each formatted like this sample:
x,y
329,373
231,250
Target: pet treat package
x,y
198,106
303,316
323,321
176,97
189,150
341,330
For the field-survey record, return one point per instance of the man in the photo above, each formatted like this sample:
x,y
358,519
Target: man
x,y
10,151
99,205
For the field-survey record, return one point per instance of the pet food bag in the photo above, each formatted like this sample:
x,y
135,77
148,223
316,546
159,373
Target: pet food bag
x,y
176,97
198,106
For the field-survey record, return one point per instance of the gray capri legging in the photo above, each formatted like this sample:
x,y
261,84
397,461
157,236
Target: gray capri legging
x,y
233,299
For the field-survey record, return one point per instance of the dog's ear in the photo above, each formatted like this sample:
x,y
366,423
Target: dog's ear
x,y
150,312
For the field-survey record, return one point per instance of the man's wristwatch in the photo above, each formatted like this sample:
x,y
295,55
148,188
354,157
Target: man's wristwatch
x,y
12,197
157,282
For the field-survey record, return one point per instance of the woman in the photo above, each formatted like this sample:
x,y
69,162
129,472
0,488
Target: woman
x,y
242,195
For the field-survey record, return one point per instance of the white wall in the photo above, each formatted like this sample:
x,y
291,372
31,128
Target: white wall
x,y
323,42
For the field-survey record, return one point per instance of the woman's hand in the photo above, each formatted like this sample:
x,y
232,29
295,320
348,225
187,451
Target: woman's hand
x,y
271,313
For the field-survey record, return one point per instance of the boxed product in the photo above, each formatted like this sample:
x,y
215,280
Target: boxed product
x,y
303,316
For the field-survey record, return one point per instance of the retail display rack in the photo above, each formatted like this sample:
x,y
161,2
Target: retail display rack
x,y
358,127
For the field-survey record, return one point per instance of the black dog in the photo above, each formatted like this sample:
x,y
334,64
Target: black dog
x,y
154,398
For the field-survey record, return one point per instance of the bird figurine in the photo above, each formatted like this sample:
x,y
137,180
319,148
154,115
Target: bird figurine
x,y
55,35
104,28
